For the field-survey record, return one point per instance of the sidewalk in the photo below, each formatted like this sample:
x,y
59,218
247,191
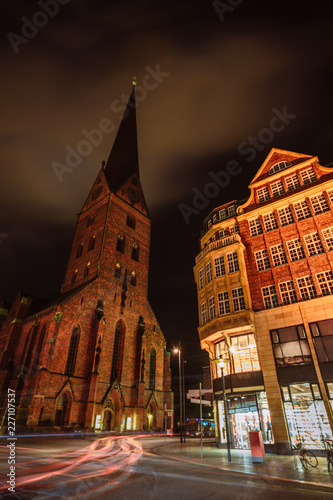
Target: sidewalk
x,y
285,468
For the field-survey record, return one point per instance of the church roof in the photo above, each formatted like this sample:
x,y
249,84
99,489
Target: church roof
x,y
123,161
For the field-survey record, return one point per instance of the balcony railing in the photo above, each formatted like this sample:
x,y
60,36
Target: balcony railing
x,y
214,245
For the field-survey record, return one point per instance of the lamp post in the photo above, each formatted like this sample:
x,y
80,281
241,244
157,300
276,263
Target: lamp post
x,y
180,392
222,362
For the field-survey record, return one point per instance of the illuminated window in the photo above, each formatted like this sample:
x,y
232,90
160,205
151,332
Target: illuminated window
x,y
302,210
222,214
121,243
238,299
322,334
279,166
211,306
325,281
91,245
255,227
135,252
221,351
262,260
306,288
288,293
86,271
313,244
286,216
117,271
214,218
277,188
231,210
245,354
203,313
330,195
219,266
295,249
233,265
308,176
201,279
223,303
319,204
224,233
290,346
270,222
292,182
278,255
234,229
209,224
133,278
74,276
72,351
328,236
270,297
79,250
263,194
209,276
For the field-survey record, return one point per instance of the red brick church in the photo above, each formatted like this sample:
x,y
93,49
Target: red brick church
x,y
95,357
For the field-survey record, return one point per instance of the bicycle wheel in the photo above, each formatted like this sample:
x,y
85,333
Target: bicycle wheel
x,y
304,462
311,459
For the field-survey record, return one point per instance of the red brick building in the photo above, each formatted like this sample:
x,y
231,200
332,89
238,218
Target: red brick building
x,y
265,300
95,357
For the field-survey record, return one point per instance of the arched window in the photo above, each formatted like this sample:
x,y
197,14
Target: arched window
x,y
90,220
86,271
74,276
120,243
130,221
135,251
92,243
118,352
133,278
73,346
79,250
152,369
39,348
117,270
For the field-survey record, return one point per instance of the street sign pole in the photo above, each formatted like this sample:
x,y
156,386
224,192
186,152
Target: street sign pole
x,y
200,418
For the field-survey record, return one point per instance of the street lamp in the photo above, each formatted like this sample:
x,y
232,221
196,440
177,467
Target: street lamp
x,y
180,393
222,362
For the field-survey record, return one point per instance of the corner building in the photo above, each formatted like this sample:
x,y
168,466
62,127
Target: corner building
x,y
95,357
265,298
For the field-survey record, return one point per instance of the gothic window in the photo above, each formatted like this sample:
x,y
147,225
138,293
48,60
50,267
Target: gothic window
x,y
79,250
118,352
117,271
130,221
152,369
73,346
90,220
74,276
133,278
39,348
86,271
91,245
121,243
135,252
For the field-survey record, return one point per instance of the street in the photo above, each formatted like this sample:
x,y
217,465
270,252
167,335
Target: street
x,y
128,468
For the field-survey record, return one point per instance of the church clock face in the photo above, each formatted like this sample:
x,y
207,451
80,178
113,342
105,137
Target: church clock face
x,y
133,194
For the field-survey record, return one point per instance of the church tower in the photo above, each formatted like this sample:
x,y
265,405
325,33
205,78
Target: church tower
x,y
98,357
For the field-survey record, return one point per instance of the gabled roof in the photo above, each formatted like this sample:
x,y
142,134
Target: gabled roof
x,y
276,156
123,161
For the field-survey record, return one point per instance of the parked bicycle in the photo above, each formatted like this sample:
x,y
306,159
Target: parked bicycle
x,y
306,457
329,453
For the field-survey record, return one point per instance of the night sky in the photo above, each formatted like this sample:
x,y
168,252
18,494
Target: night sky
x,y
224,72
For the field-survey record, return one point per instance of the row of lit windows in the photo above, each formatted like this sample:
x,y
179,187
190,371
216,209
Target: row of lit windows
x,y
224,213
223,303
306,288
220,270
223,233
121,239
302,211
313,244
286,184
85,273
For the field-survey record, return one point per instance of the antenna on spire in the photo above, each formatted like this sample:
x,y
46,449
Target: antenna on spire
x,y
134,82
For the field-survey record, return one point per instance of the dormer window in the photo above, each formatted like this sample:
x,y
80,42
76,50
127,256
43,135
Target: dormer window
x,y
214,218
308,176
209,224
222,214
282,165
232,210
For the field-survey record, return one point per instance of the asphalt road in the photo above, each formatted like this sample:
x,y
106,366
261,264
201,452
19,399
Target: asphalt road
x,y
124,468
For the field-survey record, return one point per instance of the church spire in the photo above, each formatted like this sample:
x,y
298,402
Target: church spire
x,y
123,161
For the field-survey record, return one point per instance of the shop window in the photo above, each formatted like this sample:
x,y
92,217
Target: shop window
x,y
290,346
222,351
322,334
244,353
121,243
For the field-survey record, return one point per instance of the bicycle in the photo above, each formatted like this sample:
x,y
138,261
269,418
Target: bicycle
x,y
306,457
329,453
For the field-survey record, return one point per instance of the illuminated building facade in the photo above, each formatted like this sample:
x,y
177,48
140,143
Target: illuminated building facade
x,y
265,298
95,357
